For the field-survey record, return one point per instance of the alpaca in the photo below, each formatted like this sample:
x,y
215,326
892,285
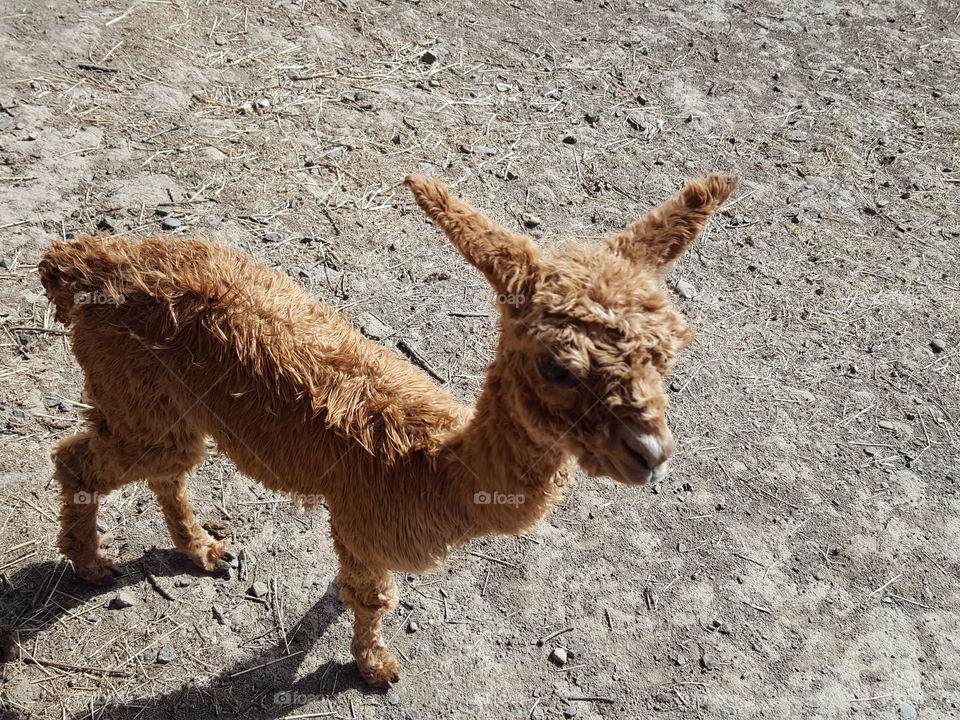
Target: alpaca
x,y
181,340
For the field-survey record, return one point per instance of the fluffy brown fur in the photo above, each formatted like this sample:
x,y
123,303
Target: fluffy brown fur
x,y
181,340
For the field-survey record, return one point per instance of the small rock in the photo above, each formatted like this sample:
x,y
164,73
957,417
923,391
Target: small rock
x,y
907,711
577,650
433,54
530,221
478,149
570,139
185,582
393,698
51,402
107,223
592,118
263,103
710,661
871,450
812,704
359,96
413,715
558,656
5,122
101,526
221,41
259,589
122,600
885,425
246,107
412,627
502,87
938,345
569,711
271,237
675,386
537,713
218,615
870,210
171,223
165,654
686,290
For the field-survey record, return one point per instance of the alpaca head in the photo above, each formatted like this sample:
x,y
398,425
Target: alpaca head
x,y
587,331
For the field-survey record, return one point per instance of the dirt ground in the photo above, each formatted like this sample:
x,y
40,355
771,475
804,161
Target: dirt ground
x,y
803,558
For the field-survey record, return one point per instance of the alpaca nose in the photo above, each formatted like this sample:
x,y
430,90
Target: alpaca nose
x,y
653,449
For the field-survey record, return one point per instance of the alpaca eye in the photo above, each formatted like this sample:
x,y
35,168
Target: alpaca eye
x,y
553,372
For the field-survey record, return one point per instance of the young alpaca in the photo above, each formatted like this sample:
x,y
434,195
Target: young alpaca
x,y
181,340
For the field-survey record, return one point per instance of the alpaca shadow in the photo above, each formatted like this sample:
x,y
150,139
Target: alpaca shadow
x,y
38,596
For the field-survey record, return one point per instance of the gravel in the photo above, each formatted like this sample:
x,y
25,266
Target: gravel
x,y
558,656
122,600
165,654
171,223
259,589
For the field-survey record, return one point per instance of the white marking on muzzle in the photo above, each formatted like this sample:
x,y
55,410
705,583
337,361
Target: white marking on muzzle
x,y
651,448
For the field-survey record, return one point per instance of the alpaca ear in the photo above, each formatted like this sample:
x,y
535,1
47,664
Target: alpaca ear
x,y
665,233
506,258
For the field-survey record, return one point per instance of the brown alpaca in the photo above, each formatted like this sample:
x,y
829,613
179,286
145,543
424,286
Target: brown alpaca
x,y
181,340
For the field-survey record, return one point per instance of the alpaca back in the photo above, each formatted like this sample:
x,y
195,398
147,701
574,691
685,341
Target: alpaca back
x,y
265,358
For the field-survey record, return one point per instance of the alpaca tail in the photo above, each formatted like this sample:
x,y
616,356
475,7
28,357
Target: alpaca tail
x,y
82,272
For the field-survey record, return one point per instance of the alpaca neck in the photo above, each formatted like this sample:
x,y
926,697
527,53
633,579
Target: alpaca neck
x,y
508,476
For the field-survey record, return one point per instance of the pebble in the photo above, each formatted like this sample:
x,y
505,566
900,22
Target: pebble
x,y
502,87
675,386
259,589
570,139
907,711
359,95
592,118
246,107
412,627
537,713
393,698
871,450
558,656
107,223
938,345
885,425
812,704
478,149
221,41
710,661
413,715
122,600
569,711
5,122
271,237
577,650
165,654
530,221
218,615
171,223
263,103
434,54
686,290
184,582
51,402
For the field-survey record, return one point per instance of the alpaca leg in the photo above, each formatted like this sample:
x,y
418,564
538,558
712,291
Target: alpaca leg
x,y
188,536
83,485
370,594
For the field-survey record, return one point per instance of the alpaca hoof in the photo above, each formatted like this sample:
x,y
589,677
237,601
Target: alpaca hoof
x,y
98,572
210,556
381,670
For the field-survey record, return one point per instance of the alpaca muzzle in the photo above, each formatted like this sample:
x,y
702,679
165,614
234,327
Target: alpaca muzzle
x,y
647,453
